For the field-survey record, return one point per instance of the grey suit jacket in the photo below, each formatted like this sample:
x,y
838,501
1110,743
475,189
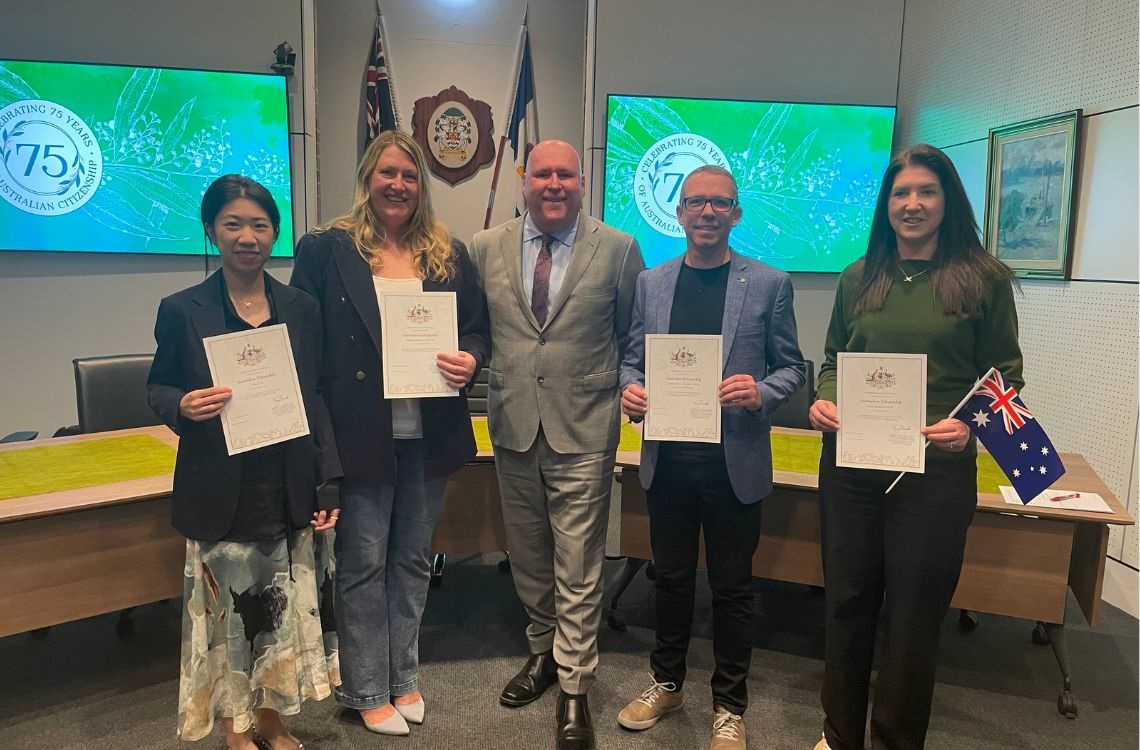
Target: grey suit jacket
x,y
563,375
759,330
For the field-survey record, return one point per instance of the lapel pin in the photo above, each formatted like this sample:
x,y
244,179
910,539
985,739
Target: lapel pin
x,y
742,280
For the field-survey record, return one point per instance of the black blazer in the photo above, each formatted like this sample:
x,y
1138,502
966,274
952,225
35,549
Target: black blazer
x,y
206,480
329,268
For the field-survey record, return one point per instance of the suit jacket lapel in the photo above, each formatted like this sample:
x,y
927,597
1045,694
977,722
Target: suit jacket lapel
x,y
209,318
734,302
585,247
356,275
510,252
662,298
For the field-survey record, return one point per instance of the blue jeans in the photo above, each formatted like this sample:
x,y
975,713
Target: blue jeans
x,y
383,552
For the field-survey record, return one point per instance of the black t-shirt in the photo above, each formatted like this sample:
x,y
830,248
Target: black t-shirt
x,y
698,308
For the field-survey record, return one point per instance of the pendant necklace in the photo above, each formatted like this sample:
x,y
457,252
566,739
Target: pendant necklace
x,y
911,276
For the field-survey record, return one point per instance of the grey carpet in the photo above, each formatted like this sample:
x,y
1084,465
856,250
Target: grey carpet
x,y
81,686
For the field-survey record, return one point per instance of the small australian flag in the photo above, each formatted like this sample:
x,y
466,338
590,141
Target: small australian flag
x,y
1011,434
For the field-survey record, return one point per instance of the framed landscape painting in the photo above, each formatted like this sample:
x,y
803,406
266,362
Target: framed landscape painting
x,y
1029,195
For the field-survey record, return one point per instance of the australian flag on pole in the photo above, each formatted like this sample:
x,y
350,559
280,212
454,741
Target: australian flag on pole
x,y
1012,435
379,102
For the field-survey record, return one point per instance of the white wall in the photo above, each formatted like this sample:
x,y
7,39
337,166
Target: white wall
x,y
973,65
769,50
57,307
435,44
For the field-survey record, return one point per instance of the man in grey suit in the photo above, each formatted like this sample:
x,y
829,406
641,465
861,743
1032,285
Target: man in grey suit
x,y
716,488
559,288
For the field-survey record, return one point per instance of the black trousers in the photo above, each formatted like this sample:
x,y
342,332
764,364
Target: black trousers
x,y
690,494
898,556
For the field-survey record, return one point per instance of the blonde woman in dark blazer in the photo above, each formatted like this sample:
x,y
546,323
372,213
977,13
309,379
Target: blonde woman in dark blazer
x,y
396,453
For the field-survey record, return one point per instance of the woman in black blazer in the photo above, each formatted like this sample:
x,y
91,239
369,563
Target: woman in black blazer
x,y
396,453
252,647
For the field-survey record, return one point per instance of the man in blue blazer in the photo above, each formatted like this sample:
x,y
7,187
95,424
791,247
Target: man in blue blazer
x,y
714,487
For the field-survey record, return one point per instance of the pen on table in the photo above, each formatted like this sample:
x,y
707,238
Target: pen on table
x,y
1070,496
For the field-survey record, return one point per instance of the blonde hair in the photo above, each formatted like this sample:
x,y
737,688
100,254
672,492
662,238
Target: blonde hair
x,y
426,236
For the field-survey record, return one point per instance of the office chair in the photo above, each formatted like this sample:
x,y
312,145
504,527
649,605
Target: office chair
x,y
110,394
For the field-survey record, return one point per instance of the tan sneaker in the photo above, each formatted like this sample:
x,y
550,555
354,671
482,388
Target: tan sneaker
x,y
644,711
729,732
822,745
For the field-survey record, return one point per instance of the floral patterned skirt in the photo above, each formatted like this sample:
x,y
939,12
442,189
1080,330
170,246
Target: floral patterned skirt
x,y
252,636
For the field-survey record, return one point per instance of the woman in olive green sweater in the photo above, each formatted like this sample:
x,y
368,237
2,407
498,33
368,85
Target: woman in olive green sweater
x,y
927,286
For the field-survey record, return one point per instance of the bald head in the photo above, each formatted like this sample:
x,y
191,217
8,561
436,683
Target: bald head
x,y
553,186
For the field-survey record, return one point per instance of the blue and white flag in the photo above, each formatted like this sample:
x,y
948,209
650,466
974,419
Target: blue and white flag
x,y
523,130
1011,434
380,110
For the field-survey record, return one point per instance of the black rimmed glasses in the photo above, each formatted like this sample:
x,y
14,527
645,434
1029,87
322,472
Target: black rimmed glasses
x,y
696,204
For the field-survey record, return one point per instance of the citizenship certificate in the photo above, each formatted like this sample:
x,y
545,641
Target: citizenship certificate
x,y
682,379
882,406
415,327
266,406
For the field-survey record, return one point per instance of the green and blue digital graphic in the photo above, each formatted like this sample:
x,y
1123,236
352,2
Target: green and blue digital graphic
x,y
106,158
808,174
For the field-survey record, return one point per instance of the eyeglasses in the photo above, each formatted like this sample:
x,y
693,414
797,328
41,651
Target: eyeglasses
x,y
695,203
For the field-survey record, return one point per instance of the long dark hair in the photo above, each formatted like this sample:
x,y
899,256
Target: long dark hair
x,y
962,271
231,187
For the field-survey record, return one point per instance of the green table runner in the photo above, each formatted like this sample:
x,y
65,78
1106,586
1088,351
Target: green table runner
x,y
797,453
69,466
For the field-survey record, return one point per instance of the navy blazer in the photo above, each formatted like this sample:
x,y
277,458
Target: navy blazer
x,y
207,481
759,338
329,267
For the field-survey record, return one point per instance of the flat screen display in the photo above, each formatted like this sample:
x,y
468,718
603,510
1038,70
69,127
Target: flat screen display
x,y
808,174
114,159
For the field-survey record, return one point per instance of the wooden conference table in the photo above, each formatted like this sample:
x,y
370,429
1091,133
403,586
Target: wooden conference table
x,y
83,552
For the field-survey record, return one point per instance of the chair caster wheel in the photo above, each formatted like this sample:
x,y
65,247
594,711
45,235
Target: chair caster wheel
x,y
967,621
1067,705
504,566
437,564
1041,637
617,622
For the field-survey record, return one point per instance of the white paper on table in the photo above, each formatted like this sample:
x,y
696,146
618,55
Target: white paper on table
x,y
415,327
882,407
682,379
1087,501
266,406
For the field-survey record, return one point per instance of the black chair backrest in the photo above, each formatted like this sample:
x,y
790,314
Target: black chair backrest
x,y
477,395
16,437
110,392
794,411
